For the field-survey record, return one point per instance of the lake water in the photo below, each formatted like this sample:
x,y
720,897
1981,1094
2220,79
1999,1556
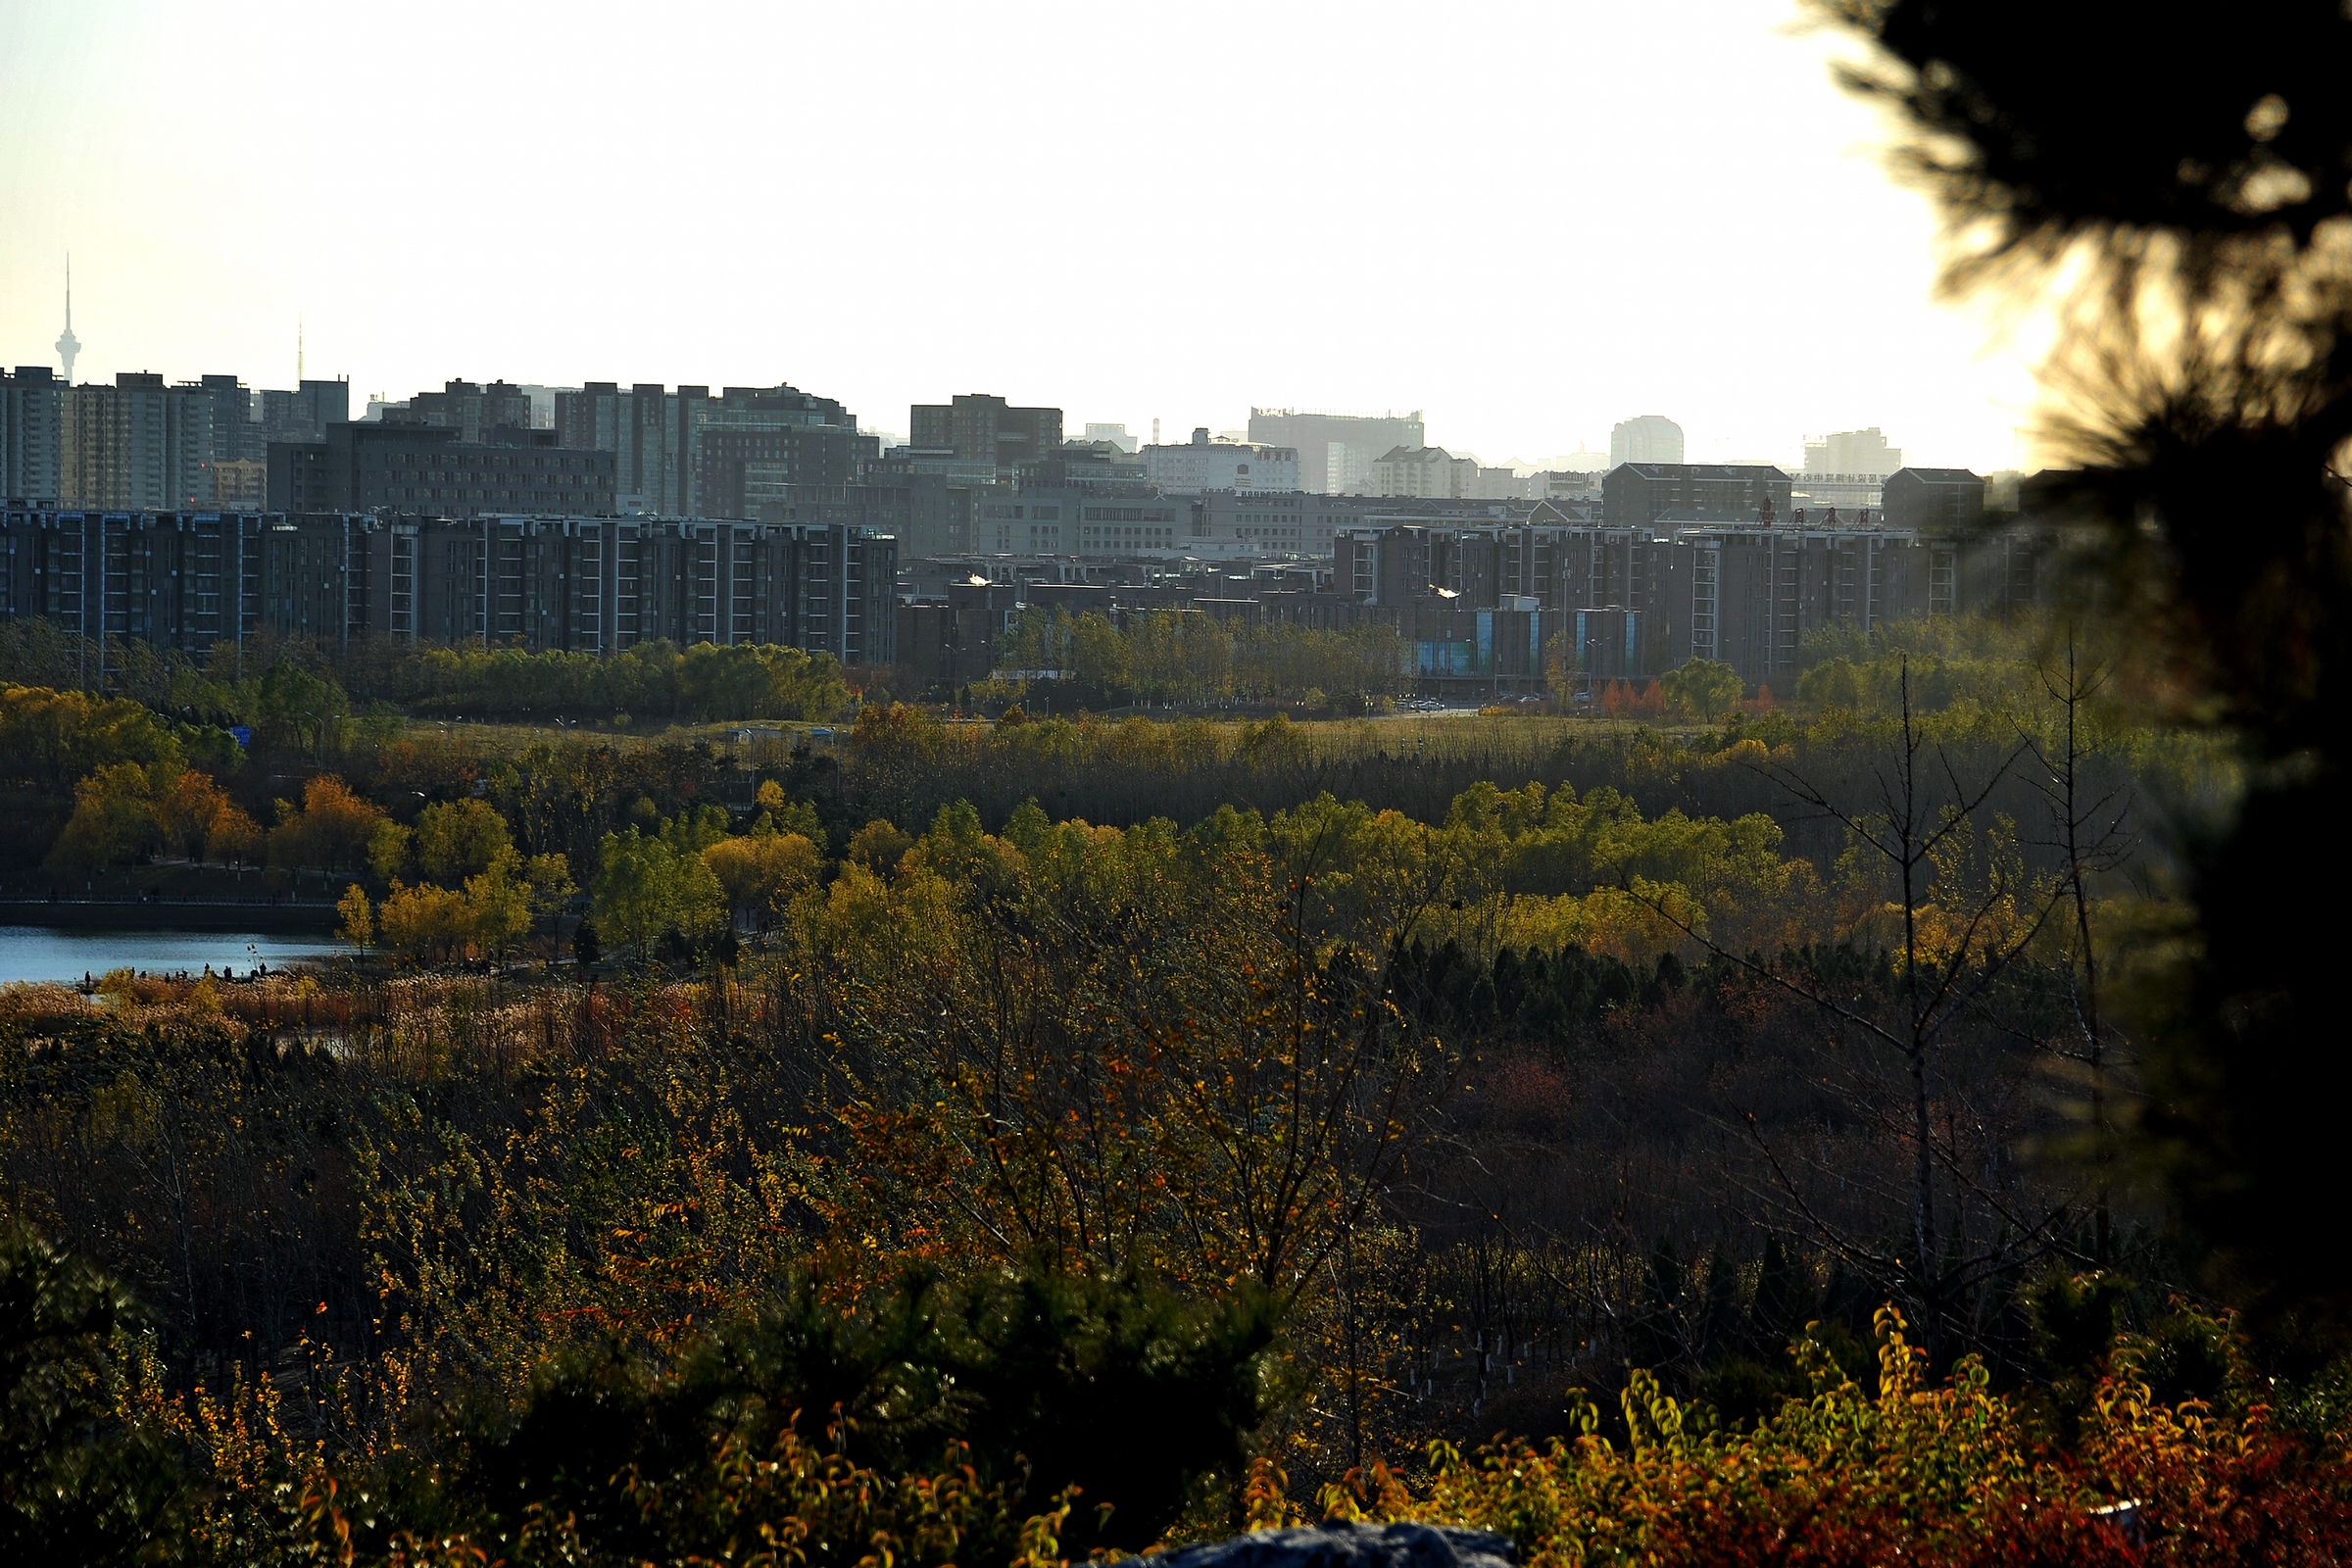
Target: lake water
x,y
38,952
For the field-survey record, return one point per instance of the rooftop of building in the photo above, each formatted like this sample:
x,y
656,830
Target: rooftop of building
x,y
1702,470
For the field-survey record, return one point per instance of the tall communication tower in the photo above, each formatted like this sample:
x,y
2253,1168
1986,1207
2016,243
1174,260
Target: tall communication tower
x,y
69,345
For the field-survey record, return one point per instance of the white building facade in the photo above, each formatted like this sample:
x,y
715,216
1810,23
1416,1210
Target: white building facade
x,y
1424,474
1200,465
1845,474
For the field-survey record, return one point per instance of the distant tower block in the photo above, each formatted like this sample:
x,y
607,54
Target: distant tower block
x,y
1650,438
69,345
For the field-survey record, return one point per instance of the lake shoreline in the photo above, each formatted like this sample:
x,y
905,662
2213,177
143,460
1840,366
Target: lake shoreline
x,y
134,914
63,956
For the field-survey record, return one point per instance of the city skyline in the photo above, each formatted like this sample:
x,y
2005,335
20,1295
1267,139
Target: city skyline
x,y
67,347
1782,286
1559,458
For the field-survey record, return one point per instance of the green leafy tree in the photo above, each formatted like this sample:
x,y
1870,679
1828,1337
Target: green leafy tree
x,y
51,737
358,925
460,839
113,819
646,889
1100,658
389,848
1561,676
291,706
762,873
690,833
498,909
1705,689
878,846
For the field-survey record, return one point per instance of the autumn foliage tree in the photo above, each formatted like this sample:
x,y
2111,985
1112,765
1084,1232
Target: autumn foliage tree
x,y
331,831
762,875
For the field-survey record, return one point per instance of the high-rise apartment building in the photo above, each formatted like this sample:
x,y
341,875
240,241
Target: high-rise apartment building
x,y
300,414
232,417
1647,438
472,410
1335,451
978,426
1852,452
244,422
320,403
597,584
137,445
585,584
1649,597
1844,474
649,429
1749,596
241,484
171,579
689,454
31,435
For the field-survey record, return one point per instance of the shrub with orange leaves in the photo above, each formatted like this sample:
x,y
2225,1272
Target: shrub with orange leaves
x,y
1953,1474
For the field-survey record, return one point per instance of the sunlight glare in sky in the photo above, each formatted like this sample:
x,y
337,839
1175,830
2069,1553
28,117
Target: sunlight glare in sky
x,y
1529,221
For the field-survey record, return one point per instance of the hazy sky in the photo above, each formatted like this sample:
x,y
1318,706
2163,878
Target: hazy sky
x,y
1529,221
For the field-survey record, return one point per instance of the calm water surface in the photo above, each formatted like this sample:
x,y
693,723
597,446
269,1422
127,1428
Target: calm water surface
x,y
37,952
